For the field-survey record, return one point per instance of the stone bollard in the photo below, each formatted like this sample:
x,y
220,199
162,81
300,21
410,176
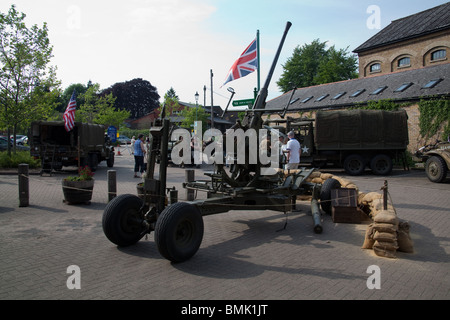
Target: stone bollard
x,y
24,184
112,185
190,176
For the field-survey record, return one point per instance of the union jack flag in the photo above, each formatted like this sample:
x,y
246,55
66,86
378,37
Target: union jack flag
x,y
69,115
245,64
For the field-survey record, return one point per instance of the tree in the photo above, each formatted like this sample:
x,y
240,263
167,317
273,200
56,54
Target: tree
x,y
191,115
99,109
137,96
28,88
313,64
170,102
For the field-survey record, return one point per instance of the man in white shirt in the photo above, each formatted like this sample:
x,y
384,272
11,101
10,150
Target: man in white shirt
x,y
293,152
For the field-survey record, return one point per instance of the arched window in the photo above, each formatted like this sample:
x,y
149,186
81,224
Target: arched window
x,y
438,55
376,67
404,62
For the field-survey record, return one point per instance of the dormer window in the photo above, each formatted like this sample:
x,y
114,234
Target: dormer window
x,y
438,55
404,62
376,67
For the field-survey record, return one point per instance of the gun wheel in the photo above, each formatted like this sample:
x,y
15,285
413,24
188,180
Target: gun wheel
x,y
123,221
179,231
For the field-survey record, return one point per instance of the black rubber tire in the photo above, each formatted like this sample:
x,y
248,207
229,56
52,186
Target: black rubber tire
x,y
325,194
122,220
381,165
179,231
436,169
354,165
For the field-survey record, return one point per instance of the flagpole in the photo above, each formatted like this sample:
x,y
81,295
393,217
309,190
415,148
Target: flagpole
x,y
259,60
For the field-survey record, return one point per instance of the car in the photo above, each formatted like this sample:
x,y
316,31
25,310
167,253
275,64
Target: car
x,y
124,139
4,145
20,139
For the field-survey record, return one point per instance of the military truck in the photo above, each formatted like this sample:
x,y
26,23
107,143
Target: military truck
x,y
85,144
437,160
351,139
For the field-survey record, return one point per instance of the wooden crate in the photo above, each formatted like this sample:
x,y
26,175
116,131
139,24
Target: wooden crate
x,y
345,206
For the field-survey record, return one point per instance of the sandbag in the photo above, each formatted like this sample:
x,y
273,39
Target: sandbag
x,y
368,239
386,216
315,174
325,176
385,227
317,180
369,197
385,253
392,246
385,236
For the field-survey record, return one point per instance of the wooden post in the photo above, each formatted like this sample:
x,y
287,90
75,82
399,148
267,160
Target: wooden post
x,y
190,176
112,185
24,195
385,195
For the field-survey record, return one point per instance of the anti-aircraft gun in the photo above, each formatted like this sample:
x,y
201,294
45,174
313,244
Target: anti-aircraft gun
x,y
245,185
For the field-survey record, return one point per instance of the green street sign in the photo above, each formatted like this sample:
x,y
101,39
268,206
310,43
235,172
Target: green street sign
x,y
238,103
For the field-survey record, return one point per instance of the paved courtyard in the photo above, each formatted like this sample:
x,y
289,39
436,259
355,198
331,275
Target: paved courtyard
x,y
243,256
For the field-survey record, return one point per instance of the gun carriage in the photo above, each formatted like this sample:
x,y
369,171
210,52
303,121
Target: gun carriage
x,y
179,226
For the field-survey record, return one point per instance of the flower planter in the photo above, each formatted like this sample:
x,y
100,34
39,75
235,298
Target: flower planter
x,y
76,192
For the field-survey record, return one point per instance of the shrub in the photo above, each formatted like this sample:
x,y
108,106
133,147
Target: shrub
x,y
17,158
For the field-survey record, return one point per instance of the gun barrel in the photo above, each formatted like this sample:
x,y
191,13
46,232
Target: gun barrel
x,y
260,102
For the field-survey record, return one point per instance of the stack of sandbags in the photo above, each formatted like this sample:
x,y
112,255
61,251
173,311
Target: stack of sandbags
x,y
372,203
381,235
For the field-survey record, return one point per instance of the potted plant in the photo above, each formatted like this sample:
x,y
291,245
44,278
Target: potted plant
x,y
78,189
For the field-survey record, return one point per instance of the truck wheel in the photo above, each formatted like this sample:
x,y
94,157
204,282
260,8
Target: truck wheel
x,y
381,165
354,165
325,193
436,169
122,220
179,231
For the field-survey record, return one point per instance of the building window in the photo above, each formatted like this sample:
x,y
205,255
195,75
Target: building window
x,y
404,62
340,94
379,90
322,97
403,87
438,55
357,93
432,84
307,99
376,67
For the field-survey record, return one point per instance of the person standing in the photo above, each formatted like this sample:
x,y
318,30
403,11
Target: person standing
x,y
139,153
293,152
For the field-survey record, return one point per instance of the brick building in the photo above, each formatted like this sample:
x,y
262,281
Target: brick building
x,y
405,62
416,41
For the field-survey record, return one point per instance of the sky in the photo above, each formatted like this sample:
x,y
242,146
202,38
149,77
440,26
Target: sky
x,y
176,43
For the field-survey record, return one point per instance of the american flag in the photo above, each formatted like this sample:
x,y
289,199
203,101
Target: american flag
x,y
245,64
69,115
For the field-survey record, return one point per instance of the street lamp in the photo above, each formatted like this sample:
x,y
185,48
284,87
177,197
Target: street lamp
x,y
196,104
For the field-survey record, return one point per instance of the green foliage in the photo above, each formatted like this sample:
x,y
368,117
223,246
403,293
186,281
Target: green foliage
x,y
434,117
313,64
28,87
17,158
387,105
99,109
194,114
